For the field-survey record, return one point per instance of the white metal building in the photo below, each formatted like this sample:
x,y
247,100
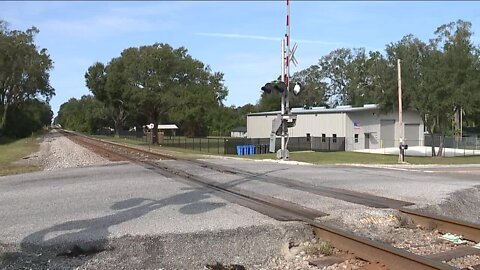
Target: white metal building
x,y
362,127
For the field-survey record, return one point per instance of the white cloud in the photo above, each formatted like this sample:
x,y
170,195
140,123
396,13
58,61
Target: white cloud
x,y
242,36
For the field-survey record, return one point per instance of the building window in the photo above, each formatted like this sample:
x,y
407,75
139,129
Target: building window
x,y
308,137
324,137
356,138
334,140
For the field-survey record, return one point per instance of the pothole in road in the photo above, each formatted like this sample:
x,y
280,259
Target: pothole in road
x,y
219,266
77,251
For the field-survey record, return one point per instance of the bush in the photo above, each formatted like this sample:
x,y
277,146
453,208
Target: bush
x,y
27,117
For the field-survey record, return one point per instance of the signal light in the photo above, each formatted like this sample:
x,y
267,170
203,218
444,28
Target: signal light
x,y
275,85
267,88
281,87
297,88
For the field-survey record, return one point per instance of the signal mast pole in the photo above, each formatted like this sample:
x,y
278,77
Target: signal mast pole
x,y
285,107
287,56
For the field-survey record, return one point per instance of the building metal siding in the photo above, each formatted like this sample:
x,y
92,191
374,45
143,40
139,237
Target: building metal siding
x,y
365,122
387,132
318,124
412,134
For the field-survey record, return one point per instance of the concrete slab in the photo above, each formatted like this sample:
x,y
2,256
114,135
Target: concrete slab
x,y
422,151
419,186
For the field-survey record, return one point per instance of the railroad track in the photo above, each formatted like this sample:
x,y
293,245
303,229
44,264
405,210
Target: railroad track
x,y
380,255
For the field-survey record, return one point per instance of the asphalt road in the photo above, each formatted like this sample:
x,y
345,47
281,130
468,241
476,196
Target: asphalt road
x,y
125,201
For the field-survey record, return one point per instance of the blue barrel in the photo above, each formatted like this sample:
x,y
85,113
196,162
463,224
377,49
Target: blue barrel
x,y
239,150
245,149
252,149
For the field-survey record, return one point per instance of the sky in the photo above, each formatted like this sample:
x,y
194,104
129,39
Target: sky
x,y
238,38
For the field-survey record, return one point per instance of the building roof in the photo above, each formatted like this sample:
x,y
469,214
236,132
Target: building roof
x,y
338,109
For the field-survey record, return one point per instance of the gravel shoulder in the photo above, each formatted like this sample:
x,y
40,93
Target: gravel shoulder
x,y
58,152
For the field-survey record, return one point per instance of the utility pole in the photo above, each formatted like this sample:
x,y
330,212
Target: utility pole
x,y
401,156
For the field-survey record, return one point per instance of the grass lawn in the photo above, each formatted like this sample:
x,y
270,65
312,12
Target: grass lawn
x,y
120,140
13,150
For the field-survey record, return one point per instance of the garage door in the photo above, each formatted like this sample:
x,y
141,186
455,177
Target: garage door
x,y
411,134
387,133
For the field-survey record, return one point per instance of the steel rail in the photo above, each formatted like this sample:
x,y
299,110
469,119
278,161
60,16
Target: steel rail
x,y
374,252
468,230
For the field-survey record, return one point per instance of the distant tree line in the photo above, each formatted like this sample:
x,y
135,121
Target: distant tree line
x,y
161,84
24,83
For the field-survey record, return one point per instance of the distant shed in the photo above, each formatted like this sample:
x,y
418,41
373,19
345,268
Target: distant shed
x,y
171,127
239,132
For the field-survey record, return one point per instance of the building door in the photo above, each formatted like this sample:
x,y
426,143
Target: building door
x,y
387,133
412,132
367,140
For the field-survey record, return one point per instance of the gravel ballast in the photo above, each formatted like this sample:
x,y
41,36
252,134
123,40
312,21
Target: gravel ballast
x,y
58,152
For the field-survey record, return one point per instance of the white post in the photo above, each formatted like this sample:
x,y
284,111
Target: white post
x,y
282,144
461,124
400,116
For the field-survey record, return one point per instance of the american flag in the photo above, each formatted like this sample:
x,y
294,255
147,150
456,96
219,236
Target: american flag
x,y
356,125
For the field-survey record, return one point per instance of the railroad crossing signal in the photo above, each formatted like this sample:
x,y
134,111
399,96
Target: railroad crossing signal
x,y
279,86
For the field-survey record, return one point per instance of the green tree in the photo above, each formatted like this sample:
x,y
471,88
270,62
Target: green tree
x,y
24,70
313,88
224,119
86,114
345,73
109,85
269,101
27,117
162,78
458,73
